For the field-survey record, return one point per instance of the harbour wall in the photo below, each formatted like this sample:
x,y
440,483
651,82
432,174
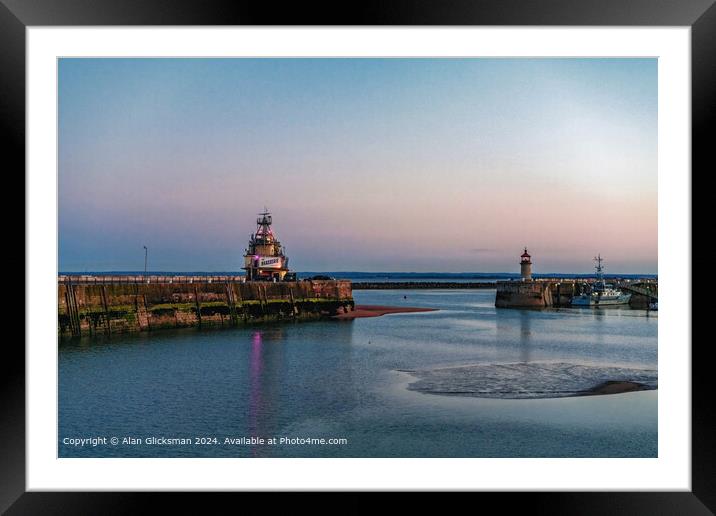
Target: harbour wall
x,y
523,294
104,306
559,293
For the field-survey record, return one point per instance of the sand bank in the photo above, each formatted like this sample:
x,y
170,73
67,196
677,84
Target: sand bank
x,y
378,310
532,380
616,387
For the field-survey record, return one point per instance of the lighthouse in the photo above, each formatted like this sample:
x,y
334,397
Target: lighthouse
x,y
526,266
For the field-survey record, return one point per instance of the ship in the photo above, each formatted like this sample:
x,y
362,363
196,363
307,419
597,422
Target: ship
x,y
264,258
601,292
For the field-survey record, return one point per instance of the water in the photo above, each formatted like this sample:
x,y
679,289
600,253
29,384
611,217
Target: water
x,y
345,380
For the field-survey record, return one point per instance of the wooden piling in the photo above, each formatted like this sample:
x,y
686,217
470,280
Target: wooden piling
x,y
136,307
231,301
73,309
146,311
105,307
198,305
293,302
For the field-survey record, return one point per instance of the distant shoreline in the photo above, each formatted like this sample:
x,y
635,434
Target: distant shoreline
x,y
371,277
401,285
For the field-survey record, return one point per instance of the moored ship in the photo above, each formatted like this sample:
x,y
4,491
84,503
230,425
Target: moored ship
x,y
601,292
265,259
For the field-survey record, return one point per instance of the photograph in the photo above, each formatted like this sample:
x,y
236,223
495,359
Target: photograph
x,y
357,257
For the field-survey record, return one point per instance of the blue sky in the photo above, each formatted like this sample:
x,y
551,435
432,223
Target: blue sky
x,y
367,164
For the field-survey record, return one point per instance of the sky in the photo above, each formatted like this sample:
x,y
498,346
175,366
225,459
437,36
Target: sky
x,y
425,165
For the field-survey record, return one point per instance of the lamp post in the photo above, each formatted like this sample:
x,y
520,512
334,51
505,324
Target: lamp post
x,y
145,259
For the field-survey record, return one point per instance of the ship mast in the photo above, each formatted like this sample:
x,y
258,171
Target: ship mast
x,y
599,268
263,227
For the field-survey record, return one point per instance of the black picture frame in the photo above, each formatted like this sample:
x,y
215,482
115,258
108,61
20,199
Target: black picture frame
x,y
700,15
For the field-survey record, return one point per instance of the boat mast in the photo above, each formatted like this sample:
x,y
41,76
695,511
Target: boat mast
x,y
263,229
599,268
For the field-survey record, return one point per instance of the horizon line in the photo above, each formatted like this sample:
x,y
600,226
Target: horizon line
x,y
141,272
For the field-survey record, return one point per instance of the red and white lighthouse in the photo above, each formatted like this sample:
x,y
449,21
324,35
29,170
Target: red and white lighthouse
x,y
526,266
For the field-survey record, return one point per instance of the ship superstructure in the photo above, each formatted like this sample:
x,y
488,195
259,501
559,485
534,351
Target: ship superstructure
x,y
264,259
601,293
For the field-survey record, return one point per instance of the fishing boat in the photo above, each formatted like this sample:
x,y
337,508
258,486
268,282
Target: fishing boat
x,y
601,293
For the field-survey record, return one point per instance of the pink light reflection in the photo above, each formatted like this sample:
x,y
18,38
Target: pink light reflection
x,y
255,368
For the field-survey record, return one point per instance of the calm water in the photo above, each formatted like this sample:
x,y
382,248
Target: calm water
x,y
341,380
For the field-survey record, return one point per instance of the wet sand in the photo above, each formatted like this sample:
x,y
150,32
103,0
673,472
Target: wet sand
x,y
616,387
378,310
532,380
